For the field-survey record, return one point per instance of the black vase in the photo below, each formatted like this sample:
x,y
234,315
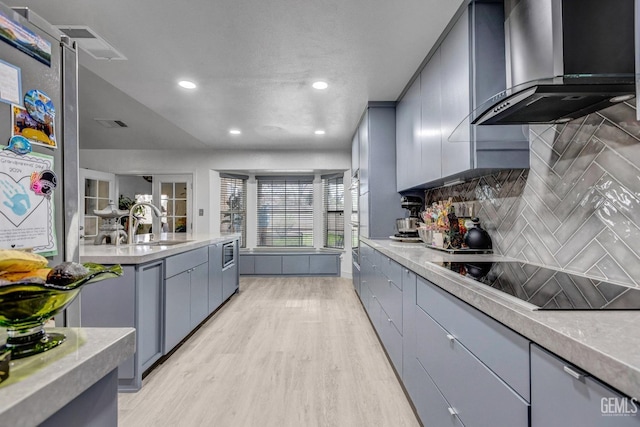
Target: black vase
x,y
476,237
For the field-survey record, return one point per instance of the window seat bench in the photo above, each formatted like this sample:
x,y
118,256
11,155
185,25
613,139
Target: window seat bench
x,y
290,262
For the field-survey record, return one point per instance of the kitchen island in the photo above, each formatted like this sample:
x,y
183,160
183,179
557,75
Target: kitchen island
x,y
74,384
597,351
170,285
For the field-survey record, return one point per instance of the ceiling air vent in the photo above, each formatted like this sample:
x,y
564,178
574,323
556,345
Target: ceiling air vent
x,y
91,42
110,123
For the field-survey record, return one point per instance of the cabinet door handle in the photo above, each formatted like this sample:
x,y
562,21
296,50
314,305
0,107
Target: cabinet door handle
x,y
390,281
389,320
451,337
452,411
575,374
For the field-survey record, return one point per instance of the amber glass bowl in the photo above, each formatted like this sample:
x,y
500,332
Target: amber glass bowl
x,y
26,306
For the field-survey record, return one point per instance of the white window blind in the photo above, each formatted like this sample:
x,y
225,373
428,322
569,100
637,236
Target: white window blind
x,y
333,196
285,211
233,203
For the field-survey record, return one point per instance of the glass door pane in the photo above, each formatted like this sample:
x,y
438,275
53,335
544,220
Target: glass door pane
x,y
174,195
97,191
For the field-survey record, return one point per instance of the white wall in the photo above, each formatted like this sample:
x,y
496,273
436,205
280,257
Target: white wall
x,y
204,166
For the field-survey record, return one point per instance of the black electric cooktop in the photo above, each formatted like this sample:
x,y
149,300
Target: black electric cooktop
x,y
549,289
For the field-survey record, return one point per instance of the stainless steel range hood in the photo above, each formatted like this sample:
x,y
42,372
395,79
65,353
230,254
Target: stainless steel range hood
x,y
565,59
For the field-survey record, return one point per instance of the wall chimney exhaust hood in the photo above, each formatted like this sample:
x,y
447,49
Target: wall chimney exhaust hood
x,y
565,59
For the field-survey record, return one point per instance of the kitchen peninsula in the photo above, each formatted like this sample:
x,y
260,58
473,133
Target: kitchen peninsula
x,y
171,284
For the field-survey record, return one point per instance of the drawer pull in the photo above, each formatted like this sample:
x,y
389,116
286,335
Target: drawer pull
x,y
389,320
452,411
575,374
451,337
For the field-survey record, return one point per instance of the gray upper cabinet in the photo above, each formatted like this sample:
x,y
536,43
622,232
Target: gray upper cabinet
x,y
379,201
408,137
430,122
455,98
461,73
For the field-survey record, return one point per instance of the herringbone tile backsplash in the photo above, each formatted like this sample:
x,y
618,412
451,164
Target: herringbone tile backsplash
x,y
577,207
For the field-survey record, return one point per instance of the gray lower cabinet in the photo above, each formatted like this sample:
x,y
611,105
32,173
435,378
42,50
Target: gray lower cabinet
x,y
268,264
177,310
433,409
215,277
229,281
133,300
185,274
448,354
465,382
150,314
461,367
505,352
199,294
355,274
563,395
382,300
295,265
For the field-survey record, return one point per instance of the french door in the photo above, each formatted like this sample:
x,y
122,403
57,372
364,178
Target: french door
x,y
97,190
173,194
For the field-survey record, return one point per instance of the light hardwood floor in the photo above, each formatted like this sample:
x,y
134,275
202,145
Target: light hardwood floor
x,y
283,352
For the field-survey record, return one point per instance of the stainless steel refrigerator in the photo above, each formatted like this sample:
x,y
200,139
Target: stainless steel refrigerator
x,y
59,81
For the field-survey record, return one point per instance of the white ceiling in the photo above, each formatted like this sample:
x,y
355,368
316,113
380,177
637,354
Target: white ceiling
x,y
254,62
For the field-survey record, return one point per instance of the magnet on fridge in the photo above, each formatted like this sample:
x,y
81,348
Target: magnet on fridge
x,y
43,183
39,106
19,145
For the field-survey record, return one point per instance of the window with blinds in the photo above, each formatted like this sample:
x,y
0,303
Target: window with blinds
x,y
285,211
333,200
233,205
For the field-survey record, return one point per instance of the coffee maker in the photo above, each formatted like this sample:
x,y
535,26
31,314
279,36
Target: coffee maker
x,y
408,227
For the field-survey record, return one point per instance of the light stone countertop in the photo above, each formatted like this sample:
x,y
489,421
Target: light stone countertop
x,y
40,385
605,344
141,253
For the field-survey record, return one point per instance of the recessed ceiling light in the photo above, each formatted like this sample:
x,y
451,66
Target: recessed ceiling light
x,y
621,98
319,132
187,84
320,85
235,132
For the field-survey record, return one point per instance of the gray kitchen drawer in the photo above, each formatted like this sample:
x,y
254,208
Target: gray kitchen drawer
x,y
176,264
433,409
389,296
563,395
389,335
392,270
478,396
501,349
366,253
